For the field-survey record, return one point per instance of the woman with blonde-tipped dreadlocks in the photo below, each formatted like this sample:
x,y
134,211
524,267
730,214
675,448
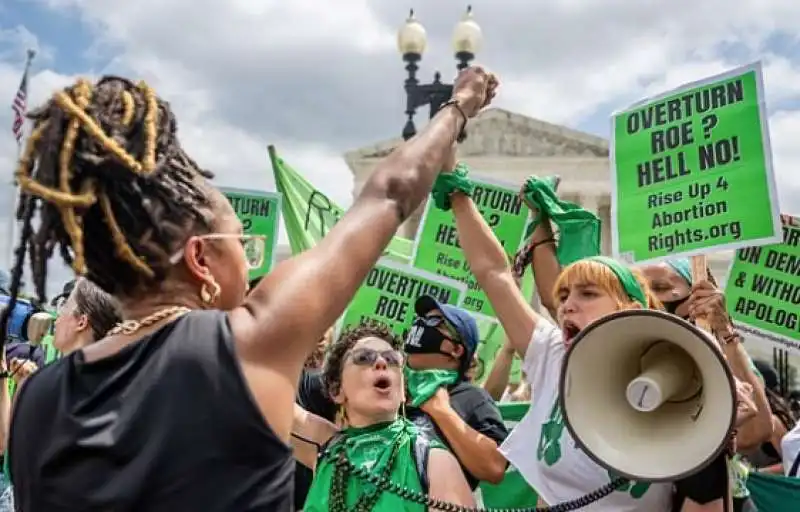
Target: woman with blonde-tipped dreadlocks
x,y
188,403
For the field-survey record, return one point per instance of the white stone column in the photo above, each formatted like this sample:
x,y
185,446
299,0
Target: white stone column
x,y
589,202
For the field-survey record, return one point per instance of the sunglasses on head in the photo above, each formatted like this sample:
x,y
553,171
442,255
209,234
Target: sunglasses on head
x,y
368,357
440,321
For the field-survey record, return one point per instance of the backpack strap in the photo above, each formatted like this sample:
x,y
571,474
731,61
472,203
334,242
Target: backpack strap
x,y
421,454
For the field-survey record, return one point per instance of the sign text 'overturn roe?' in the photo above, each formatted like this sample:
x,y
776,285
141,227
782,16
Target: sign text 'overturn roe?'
x,y
692,171
763,288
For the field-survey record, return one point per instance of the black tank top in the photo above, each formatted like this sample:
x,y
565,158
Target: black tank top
x,y
166,424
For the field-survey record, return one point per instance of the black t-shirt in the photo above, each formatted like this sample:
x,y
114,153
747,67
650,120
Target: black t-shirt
x,y
472,403
166,424
312,397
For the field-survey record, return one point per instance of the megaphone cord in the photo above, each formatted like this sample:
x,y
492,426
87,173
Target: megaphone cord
x,y
384,484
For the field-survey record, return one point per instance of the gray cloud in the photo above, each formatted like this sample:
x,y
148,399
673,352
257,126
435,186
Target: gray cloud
x,y
318,78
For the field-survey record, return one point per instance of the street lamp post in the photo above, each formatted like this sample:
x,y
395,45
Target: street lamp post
x,y
411,42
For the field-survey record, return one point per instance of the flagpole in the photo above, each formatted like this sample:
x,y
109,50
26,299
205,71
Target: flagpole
x,y
14,202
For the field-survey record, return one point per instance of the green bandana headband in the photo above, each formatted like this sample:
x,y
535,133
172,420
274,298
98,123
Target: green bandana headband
x,y
626,278
683,268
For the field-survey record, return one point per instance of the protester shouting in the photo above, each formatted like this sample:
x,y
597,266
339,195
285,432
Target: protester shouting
x,y
188,404
440,349
363,373
583,292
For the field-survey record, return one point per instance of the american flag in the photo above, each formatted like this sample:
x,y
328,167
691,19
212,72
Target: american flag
x,y
20,103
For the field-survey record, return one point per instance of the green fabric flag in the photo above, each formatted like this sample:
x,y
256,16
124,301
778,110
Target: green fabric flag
x,y
774,493
308,214
385,449
578,229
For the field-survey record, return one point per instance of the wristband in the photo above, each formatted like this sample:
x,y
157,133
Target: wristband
x,y
462,134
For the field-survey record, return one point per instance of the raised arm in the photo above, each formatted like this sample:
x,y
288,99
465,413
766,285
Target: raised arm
x,y
309,434
282,319
489,264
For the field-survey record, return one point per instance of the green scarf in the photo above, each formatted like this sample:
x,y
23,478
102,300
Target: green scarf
x,y
625,277
384,449
422,384
578,229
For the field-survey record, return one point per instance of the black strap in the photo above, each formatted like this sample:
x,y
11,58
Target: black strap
x,y
795,466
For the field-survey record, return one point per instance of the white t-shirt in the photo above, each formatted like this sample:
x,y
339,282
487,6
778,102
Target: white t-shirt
x,y
790,448
543,451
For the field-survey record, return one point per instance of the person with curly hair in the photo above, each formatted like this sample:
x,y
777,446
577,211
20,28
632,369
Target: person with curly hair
x,y
188,403
363,372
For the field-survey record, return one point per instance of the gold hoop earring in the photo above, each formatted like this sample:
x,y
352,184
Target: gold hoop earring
x,y
210,297
342,416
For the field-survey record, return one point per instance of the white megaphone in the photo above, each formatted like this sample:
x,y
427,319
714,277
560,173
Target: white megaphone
x,y
647,395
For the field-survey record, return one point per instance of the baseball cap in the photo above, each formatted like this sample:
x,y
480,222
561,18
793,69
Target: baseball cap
x,y
464,324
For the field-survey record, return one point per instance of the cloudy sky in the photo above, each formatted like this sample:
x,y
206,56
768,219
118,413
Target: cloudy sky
x,y
318,78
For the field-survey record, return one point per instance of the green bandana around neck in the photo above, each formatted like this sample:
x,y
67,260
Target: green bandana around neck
x,y
384,449
422,384
626,278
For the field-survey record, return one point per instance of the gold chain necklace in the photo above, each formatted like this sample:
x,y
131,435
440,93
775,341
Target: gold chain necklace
x,y
132,326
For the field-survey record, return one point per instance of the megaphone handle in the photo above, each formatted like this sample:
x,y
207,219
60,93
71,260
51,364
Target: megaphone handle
x,y
699,273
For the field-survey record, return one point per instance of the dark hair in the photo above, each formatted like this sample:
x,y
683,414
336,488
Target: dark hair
x,y
101,309
338,350
111,185
780,409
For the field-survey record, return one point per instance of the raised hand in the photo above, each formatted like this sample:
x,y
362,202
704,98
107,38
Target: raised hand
x,y
475,89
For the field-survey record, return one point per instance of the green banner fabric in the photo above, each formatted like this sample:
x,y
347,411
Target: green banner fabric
x,y
436,247
513,491
259,213
774,493
692,171
763,288
308,214
390,291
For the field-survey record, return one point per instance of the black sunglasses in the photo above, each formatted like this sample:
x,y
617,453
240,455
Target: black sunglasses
x,y
368,357
439,321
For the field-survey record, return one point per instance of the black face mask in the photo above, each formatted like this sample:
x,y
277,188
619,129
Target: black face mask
x,y
424,338
673,305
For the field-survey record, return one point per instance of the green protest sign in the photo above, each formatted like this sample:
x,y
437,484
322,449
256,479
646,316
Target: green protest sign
x,y
259,213
436,247
763,288
692,171
492,338
389,292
